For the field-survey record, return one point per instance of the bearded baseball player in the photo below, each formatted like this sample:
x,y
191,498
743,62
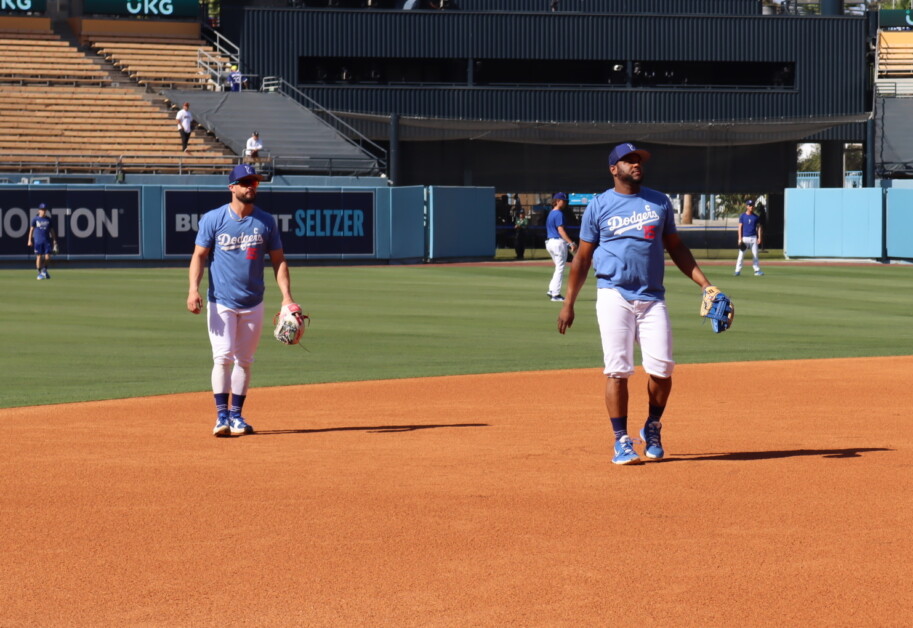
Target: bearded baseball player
x,y
234,239
623,234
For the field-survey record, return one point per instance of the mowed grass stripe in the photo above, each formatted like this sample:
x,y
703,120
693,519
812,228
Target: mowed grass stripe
x,y
112,333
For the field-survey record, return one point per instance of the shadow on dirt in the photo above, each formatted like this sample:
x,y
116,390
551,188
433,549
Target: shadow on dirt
x,y
377,429
853,452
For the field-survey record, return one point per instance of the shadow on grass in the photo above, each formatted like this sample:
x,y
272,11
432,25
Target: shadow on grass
x,y
853,452
377,429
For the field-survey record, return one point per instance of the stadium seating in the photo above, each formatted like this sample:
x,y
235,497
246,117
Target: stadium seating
x,y
63,110
159,62
895,54
45,58
81,128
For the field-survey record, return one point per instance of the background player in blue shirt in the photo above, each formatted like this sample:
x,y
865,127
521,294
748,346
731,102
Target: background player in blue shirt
x,y
557,243
623,234
750,232
234,238
43,239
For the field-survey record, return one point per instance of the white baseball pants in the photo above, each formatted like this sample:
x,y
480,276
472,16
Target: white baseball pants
x,y
557,248
234,336
622,323
750,242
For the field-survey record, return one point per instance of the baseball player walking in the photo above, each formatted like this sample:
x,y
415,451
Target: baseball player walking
x,y
557,244
234,238
623,233
44,241
750,232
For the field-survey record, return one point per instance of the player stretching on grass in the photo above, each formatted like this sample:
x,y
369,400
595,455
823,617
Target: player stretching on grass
x,y
235,238
623,233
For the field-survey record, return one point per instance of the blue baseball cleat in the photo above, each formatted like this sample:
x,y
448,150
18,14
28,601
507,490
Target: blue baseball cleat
x,y
624,452
650,435
239,426
222,428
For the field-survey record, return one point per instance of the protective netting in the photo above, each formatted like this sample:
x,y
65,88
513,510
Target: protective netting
x,y
705,133
893,137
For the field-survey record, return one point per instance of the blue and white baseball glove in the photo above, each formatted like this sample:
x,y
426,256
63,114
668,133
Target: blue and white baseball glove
x,y
718,308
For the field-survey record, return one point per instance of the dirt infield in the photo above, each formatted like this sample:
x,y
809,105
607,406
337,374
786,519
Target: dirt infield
x,y
787,499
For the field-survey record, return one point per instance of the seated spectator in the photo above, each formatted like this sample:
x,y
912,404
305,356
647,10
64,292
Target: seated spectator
x,y
254,146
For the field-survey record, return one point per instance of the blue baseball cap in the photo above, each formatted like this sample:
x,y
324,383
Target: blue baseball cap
x,y
42,206
243,171
623,150
749,202
560,196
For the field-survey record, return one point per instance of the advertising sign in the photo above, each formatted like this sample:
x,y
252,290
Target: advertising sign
x,y
330,223
88,223
23,6
145,8
893,18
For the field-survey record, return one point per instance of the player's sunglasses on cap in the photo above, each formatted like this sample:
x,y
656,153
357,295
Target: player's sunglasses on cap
x,y
623,150
242,172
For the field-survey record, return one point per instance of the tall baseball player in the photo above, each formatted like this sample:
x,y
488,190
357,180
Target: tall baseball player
x,y
750,233
623,233
234,238
44,241
557,243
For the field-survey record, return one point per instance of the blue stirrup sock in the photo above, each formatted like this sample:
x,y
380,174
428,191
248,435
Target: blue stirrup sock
x,y
620,426
221,402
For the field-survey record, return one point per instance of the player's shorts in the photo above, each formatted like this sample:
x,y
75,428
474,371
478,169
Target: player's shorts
x,y
43,248
622,323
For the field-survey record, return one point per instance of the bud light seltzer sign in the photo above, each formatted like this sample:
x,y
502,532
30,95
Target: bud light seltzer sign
x,y
311,223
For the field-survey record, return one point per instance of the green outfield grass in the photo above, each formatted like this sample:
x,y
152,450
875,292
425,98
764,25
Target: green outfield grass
x,y
111,333
541,254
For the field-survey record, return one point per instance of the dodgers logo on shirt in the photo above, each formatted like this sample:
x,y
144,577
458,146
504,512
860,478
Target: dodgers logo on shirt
x,y
637,220
243,241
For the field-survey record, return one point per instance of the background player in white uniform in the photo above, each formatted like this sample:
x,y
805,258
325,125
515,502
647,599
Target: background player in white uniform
x,y
557,243
623,233
750,233
43,239
235,238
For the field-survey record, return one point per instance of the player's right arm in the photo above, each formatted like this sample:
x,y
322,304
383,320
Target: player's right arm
x,y
580,268
197,263
31,231
566,237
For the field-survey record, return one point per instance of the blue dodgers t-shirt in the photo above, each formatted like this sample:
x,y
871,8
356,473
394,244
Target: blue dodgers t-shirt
x,y
554,220
628,231
749,225
42,232
237,257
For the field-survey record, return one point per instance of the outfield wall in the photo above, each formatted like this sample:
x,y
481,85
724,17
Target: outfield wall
x,y
159,222
873,223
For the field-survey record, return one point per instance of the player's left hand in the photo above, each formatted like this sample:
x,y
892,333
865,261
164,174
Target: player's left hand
x,y
290,324
718,308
